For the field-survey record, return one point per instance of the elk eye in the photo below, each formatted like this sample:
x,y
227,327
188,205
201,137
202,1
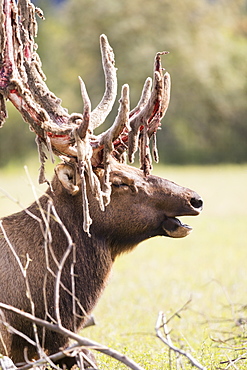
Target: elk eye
x,y
119,183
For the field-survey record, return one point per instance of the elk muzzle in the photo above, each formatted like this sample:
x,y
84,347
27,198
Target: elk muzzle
x,y
173,227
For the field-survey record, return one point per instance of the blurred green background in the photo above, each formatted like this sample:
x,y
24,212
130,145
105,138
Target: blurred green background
x,y
207,118
206,123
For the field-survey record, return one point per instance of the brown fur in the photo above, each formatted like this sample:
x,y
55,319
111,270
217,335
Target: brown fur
x,y
136,212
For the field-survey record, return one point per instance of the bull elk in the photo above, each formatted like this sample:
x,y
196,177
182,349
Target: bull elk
x,y
96,203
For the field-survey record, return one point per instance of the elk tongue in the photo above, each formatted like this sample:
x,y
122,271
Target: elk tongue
x,y
175,229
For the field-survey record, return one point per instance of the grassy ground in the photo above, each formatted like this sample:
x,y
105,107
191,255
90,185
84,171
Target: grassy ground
x,y
163,274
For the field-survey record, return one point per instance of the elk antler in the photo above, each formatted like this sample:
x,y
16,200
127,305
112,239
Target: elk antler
x,y
22,81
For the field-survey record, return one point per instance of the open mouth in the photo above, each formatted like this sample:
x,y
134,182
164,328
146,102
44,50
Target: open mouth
x,y
174,228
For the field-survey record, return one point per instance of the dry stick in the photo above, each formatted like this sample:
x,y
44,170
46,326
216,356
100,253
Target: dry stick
x,y
74,298
184,307
58,275
61,265
231,363
11,329
47,236
161,323
58,282
80,340
1,336
50,360
82,356
72,274
47,244
47,230
55,357
6,363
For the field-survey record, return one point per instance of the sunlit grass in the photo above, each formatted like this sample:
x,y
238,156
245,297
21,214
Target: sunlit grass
x,y
162,274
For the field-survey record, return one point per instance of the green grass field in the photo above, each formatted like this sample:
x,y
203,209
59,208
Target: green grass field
x,y
162,274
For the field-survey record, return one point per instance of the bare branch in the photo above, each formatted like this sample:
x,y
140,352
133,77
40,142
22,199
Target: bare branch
x,y
61,265
6,363
56,357
162,323
10,328
80,340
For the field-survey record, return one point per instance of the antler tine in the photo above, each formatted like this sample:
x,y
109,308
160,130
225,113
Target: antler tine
x,y
84,126
121,121
154,123
107,138
167,93
133,134
148,119
145,95
142,118
100,113
166,84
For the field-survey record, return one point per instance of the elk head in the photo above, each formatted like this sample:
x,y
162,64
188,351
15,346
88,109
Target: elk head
x,y
140,207
97,161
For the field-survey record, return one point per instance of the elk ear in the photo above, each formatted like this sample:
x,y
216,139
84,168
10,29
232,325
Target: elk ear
x,y
67,176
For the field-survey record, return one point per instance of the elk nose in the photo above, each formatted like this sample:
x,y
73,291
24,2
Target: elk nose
x,y
197,203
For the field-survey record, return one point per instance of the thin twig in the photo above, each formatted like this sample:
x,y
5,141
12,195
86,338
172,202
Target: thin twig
x,y
54,358
161,323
